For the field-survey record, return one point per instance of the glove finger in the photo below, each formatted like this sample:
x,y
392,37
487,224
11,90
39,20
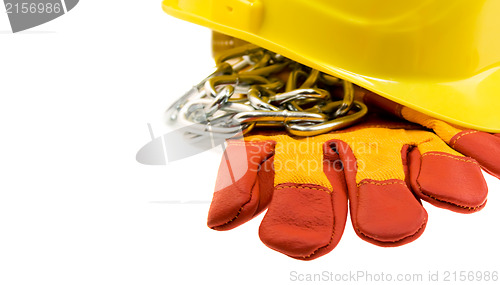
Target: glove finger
x,y
447,180
244,184
483,147
383,211
304,220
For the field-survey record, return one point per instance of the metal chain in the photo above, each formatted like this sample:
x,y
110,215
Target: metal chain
x,y
253,87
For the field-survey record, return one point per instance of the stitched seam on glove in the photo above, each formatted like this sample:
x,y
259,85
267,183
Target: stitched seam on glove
x,y
461,136
394,241
239,211
244,204
333,224
365,181
440,200
303,187
463,207
452,157
374,182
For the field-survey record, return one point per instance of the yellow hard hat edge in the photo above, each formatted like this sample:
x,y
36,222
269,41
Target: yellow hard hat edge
x,y
476,108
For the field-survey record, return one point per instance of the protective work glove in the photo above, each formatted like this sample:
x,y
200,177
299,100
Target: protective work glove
x,y
483,147
385,169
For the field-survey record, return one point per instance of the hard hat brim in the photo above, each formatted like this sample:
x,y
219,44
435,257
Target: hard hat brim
x,y
470,102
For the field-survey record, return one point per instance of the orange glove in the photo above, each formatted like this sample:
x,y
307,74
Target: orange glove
x,y
483,147
383,167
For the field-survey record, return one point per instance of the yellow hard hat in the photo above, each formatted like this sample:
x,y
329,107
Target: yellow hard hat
x,y
440,57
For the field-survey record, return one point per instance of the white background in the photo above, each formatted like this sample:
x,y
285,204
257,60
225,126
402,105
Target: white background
x,y
76,208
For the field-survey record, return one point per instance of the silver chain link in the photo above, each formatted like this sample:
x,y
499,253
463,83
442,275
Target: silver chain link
x,y
248,90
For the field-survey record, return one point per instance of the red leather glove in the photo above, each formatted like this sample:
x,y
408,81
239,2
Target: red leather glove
x,y
384,168
483,147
